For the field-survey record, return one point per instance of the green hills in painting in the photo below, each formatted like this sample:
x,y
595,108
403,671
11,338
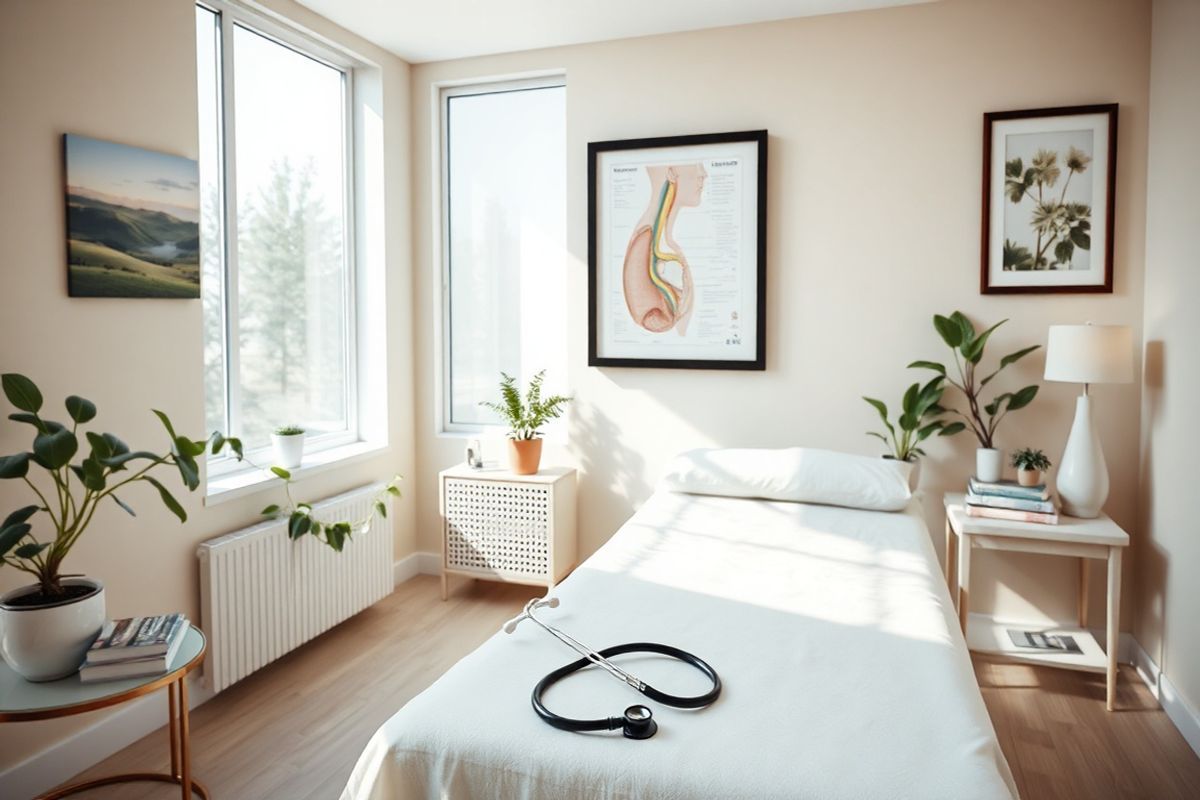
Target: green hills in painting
x,y
118,251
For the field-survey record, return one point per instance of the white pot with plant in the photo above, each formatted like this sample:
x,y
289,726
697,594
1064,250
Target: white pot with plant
x,y
287,442
919,412
46,627
982,418
525,419
1030,464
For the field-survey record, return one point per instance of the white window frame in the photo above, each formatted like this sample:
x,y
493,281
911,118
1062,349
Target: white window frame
x,y
443,93
231,15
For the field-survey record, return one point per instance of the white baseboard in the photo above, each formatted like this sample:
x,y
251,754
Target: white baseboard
x,y
107,735
414,564
1179,711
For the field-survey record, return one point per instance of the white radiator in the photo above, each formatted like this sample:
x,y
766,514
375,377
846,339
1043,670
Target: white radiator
x,y
263,595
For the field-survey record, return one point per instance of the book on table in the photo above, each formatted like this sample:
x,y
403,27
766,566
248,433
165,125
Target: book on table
x,y
1008,489
134,647
1012,515
1011,503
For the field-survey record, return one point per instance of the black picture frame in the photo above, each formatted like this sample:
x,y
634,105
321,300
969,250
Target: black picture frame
x,y
987,284
758,360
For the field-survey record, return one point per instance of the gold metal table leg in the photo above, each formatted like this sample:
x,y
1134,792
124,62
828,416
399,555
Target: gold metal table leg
x,y
181,756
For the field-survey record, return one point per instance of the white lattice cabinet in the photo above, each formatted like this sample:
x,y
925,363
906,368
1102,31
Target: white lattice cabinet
x,y
500,526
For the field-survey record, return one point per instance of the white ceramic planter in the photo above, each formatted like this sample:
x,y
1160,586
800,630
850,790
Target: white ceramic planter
x,y
911,468
289,450
45,643
989,464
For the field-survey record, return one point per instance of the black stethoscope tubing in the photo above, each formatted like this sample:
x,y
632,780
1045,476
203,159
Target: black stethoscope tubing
x,y
637,721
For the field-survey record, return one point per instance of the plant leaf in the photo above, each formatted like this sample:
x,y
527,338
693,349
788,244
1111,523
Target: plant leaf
x,y
381,508
30,419
55,450
188,470
933,365
14,466
166,423
952,428
964,325
30,549
270,510
21,392
123,505
218,442
92,474
949,330
168,499
119,460
11,534
1023,397
81,410
282,473
100,446
973,350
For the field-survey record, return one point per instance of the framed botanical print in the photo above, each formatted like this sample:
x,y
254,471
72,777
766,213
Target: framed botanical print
x,y
1049,178
677,252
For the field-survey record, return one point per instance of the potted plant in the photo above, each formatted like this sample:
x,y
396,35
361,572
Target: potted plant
x,y
1030,465
287,441
525,420
981,417
919,412
47,626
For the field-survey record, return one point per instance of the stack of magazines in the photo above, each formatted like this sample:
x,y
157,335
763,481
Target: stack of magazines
x,y
1012,501
134,648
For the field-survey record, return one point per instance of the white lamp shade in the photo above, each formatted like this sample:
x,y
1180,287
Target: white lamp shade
x,y
1089,354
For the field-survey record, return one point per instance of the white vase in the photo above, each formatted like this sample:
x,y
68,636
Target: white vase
x,y
989,464
1082,473
48,642
289,450
911,470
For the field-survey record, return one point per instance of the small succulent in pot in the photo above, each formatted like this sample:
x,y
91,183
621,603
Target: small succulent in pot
x,y
1030,465
287,441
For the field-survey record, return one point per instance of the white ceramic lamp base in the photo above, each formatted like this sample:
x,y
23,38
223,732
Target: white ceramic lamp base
x,y
1082,474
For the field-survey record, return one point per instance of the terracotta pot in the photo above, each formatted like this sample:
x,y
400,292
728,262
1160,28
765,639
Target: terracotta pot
x,y
1029,477
524,455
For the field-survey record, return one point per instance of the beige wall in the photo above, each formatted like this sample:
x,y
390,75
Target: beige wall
x,y
125,70
874,195
1169,550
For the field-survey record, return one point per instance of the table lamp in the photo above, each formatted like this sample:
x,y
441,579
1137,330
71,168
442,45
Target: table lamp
x,y
1086,354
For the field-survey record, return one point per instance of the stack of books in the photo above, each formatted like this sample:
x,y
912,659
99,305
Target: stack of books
x,y
1011,501
134,648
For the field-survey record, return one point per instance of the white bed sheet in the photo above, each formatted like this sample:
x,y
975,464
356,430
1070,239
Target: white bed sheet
x,y
845,674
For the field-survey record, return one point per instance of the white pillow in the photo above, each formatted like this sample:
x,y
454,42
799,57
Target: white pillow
x,y
795,474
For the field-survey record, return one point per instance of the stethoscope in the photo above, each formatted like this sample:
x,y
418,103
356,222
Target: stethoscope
x,y
638,721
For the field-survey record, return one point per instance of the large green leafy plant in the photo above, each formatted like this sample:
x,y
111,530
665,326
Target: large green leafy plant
x,y
73,491
920,414
526,417
967,347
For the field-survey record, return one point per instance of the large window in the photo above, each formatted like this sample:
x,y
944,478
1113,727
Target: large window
x,y
504,241
278,277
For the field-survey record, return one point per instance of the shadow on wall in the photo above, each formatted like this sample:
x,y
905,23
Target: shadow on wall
x,y
612,481
1151,560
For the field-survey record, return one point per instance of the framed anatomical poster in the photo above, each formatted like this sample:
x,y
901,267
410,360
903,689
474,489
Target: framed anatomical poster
x,y
677,252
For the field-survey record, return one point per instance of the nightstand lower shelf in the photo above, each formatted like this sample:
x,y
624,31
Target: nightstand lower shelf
x,y
986,635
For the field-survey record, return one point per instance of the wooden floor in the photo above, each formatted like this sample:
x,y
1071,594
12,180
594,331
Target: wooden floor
x,y
294,730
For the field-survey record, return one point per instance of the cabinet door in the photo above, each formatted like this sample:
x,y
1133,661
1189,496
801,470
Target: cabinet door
x,y
496,527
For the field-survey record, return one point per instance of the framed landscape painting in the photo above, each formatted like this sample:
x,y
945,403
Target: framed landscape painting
x,y
1049,179
133,221
677,252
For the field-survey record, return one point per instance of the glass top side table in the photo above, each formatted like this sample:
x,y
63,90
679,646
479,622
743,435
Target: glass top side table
x,y
22,700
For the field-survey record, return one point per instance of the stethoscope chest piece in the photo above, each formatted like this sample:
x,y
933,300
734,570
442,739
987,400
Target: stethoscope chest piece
x,y
639,723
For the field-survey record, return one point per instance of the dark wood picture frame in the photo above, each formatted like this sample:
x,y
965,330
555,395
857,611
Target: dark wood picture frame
x,y
989,120
759,362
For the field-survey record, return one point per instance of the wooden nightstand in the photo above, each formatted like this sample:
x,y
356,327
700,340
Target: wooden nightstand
x,y
500,526
1099,538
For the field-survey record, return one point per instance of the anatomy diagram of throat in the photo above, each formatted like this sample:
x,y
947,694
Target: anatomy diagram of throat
x,y
657,278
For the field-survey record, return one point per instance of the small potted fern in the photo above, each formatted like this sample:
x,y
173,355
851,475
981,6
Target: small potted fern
x,y
287,442
1030,465
525,418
